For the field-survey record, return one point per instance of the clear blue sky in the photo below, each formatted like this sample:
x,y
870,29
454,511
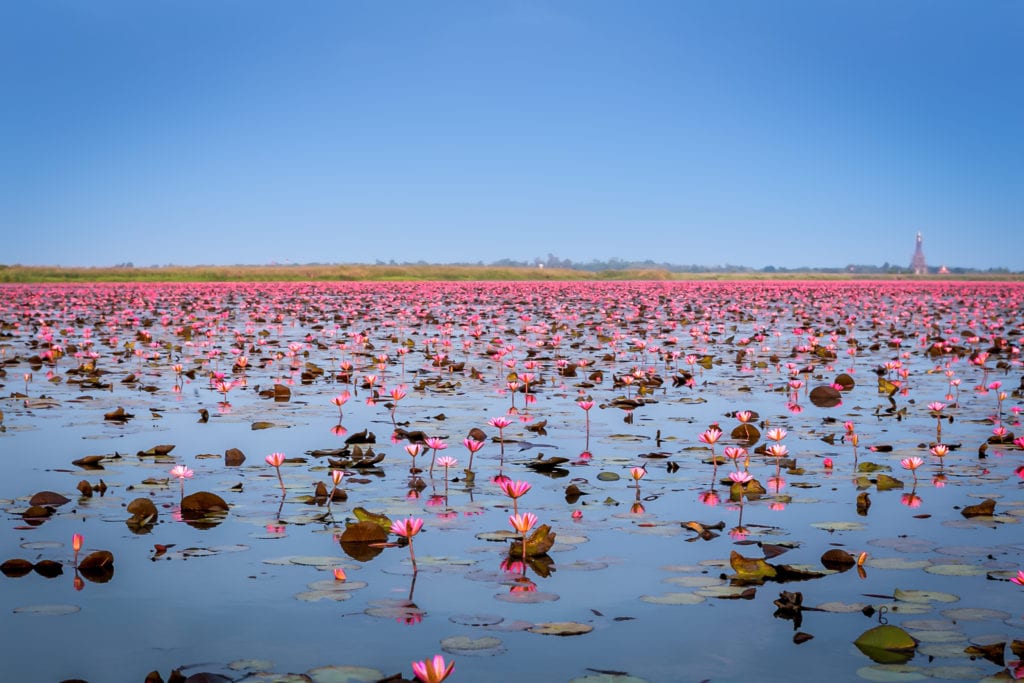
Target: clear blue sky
x,y
752,133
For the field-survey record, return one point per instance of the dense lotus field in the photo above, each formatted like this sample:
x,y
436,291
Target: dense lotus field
x,y
585,482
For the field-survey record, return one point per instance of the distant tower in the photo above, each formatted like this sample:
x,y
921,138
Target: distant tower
x,y
917,263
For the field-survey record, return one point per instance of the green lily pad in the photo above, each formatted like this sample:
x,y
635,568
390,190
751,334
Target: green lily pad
x,y
344,674
891,673
271,677
497,536
673,599
476,619
250,664
956,570
837,607
608,476
724,592
337,586
907,607
923,596
944,650
886,644
895,563
464,645
952,673
940,636
317,596
975,614
838,526
560,628
527,597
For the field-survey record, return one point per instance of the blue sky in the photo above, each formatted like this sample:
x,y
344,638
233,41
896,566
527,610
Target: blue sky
x,y
753,133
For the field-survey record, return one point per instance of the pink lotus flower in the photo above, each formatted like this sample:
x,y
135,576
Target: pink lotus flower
x,y
848,426
577,514
911,463
472,445
827,462
432,670
710,436
637,473
499,423
939,450
407,528
776,434
339,574
182,472
585,405
523,522
777,450
734,453
76,545
1019,579
514,489
275,460
744,416
740,477
447,461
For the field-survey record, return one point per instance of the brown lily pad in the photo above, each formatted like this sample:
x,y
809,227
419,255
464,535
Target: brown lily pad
x,y
202,502
89,462
16,567
48,498
117,415
538,543
837,559
364,532
985,508
826,397
746,433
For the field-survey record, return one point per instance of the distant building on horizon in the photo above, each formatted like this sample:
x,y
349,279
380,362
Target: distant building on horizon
x,y
917,263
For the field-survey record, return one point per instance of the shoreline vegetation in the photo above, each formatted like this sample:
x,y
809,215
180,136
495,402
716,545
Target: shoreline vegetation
x,y
452,273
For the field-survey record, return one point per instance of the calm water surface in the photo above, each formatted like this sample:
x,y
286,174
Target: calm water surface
x,y
234,598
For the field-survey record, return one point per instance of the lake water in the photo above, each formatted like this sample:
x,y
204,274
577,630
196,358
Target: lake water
x,y
251,595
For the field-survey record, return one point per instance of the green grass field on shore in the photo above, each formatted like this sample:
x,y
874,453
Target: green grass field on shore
x,y
413,273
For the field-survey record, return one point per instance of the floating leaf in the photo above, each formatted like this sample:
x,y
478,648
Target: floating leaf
x,y
561,628
975,614
48,498
986,508
886,644
345,674
924,596
476,619
838,526
673,599
825,397
955,570
464,645
891,673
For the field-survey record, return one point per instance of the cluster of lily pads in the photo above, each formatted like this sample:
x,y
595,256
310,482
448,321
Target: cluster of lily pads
x,y
803,386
